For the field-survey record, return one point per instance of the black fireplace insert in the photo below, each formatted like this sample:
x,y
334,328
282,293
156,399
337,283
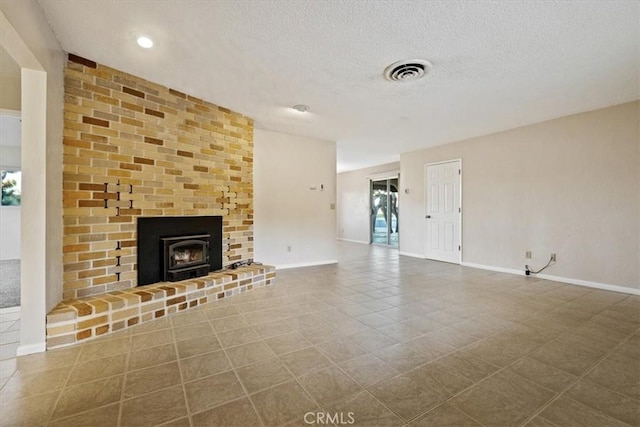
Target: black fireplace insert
x,y
178,248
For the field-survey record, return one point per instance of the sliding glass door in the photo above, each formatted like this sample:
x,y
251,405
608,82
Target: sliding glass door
x,y
384,212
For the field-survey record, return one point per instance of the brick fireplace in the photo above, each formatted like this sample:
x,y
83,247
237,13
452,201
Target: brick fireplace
x,y
136,149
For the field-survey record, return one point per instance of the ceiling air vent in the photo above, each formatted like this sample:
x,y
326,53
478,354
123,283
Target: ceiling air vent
x,y
407,71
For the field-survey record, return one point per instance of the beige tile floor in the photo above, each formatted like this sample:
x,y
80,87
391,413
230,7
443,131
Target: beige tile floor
x,y
378,340
9,335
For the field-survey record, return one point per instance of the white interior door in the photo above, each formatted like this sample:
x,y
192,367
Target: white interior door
x,y
444,215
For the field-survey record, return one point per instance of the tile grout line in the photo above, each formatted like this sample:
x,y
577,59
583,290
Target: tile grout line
x,y
81,384
295,378
116,375
336,365
463,348
124,353
175,343
13,372
364,389
178,358
557,394
233,369
367,389
62,388
304,390
524,356
124,381
483,379
581,377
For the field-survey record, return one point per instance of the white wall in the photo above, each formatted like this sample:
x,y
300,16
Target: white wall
x,y
569,186
353,203
9,232
10,158
10,139
9,82
287,212
10,92
27,37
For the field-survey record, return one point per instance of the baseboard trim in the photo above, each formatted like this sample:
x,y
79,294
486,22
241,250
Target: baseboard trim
x,y
588,284
9,310
492,268
31,348
306,264
579,282
412,255
362,242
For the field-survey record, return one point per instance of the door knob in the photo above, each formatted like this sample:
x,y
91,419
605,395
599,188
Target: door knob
x,y
428,216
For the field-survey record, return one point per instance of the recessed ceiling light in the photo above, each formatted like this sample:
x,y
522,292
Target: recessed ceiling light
x,y
145,42
301,108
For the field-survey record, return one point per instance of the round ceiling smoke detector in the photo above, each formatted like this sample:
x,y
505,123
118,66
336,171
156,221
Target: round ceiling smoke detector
x,y
407,70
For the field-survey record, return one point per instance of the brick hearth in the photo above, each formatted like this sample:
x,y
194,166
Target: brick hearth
x,y
85,318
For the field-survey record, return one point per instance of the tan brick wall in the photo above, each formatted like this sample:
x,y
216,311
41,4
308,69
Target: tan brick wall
x,y
172,155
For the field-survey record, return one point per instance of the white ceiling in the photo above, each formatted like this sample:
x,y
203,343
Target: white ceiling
x,y
497,65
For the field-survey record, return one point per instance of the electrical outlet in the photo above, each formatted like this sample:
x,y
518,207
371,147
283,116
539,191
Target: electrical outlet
x,y
553,257
288,248
527,255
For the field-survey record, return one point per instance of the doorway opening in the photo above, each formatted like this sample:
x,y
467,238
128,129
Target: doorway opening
x,y
10,211
385,221
35,205
10,204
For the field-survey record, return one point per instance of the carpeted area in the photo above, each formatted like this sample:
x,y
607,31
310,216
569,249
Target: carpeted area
x,y
9,283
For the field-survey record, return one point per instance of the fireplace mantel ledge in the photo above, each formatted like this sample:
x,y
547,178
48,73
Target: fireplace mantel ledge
x,y
82,319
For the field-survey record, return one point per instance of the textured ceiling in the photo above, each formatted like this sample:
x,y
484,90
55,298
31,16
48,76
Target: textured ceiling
x,y
497,65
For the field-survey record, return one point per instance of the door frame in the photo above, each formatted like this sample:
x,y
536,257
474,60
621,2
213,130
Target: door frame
x,y
387,176
426,200
35,280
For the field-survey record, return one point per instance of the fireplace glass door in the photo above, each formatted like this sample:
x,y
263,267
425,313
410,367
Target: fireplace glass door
x,y
186,253
185,257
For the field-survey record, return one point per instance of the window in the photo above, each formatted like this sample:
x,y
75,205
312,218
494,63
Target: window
x,y
11,188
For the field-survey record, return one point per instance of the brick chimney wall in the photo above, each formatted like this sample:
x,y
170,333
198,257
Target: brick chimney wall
x,y
135,148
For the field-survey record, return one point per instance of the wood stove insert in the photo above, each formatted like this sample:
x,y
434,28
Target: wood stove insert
x,y
178,248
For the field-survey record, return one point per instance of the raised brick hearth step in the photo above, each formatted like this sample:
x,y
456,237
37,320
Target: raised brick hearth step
x,y
81,319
